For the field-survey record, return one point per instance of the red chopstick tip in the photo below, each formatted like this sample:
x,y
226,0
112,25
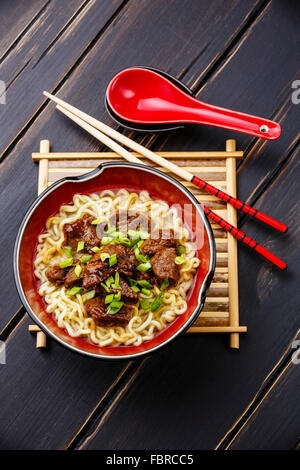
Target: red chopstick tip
x,y
282,266
269,256
272,222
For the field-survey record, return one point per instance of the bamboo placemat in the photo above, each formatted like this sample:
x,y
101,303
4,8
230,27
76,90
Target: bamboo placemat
x,y
221,310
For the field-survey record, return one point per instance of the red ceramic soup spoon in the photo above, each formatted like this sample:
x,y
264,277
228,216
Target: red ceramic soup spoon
x,y
145,97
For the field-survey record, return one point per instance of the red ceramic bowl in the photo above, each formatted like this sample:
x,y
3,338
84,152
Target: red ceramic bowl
x,y
114,176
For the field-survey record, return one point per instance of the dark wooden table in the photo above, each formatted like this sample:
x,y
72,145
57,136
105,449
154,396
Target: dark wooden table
x,y
197,393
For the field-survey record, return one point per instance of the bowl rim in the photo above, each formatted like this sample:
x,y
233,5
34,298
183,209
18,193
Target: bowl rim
x,y
85,177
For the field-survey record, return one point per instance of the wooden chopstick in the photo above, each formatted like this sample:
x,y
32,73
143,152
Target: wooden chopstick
x,y
182,173
76,117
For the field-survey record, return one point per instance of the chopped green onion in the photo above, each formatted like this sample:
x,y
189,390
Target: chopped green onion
x,y
144,266
144,235
145,304
118,295
109,298
68,252
113,260
95,249
85,258
75,290
133,242
116,304
135,289
156,304
80,246
133,234
88,295
180,250
136,251
132,282
104,256
78,270
105,241
66,263
146,291
136,236
105,287
144,283
142,258
109,281
117,280
115,287
114,307
99,221
179,260
125,241
117,234
165,284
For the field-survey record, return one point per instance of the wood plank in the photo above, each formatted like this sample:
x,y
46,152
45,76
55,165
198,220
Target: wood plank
x,y
44,56
18,17
274,423
40,379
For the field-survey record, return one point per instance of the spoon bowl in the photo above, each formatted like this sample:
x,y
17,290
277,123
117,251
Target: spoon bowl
x,y
151,100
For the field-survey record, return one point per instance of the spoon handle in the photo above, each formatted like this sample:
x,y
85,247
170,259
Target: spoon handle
x,y
239,204
242,237
204,113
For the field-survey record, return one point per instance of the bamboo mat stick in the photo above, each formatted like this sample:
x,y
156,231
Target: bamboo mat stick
x,y
172,155
218,329
232,248
41,338
43,166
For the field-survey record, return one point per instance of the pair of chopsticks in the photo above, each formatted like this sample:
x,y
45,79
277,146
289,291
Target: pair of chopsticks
x,y
104,134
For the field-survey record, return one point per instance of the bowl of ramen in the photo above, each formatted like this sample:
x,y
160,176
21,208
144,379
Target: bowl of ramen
x,y
116,263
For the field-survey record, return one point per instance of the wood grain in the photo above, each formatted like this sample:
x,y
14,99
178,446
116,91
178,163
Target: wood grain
x,y
232,246
275,422
45,55
48,394
18,18
246,63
